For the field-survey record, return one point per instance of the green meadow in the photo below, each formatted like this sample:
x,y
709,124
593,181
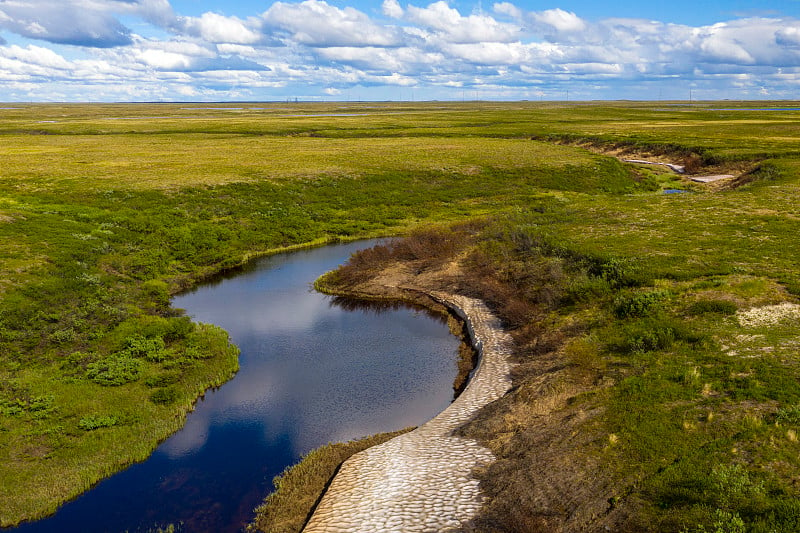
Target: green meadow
x,y
108,210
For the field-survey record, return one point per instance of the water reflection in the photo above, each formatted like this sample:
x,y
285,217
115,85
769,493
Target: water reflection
x,y
312,370
379,307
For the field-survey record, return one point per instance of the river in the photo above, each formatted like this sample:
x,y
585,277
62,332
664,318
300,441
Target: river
x,y
312,372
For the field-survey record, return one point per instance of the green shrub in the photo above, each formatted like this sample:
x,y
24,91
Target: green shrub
x,y
38,407
13,407
162,380
63,336
586,289
722,307
165,396
140,346
618,272
723,522
783,517
90,423
114,371
788,415
731,485
654,333
638,304
157,291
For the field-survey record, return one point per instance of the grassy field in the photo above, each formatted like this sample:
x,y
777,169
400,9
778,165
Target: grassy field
x,y
107,210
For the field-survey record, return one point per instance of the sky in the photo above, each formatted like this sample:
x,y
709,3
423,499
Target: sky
x,y
354,50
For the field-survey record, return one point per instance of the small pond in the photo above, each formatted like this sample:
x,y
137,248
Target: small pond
x,y
312,372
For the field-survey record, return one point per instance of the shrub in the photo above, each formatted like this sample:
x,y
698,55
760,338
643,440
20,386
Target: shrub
x,y
654,333
90,423
165,396
151,349
788,415
732,485
114,371
162,380
724,522
722,307
156,291
638,304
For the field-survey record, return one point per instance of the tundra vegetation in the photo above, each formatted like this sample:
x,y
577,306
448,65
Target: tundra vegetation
x,y
670,320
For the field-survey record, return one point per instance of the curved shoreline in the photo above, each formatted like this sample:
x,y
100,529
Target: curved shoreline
x,y
422,480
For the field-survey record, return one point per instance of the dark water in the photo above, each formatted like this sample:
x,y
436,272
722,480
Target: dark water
x,y
311,372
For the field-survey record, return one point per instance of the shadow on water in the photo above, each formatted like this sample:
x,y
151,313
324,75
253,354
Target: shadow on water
x,y
383,307
313,370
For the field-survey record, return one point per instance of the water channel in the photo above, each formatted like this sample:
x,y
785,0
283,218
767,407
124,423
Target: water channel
x,y
311,372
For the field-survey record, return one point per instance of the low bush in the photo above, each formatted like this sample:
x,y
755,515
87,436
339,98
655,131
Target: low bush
x,y
165,396
90,423
162,380
722,307
788,415
150,349
653,333
638,304
114,371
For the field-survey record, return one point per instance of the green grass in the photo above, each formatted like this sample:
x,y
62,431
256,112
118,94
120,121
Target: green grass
x,y
107,210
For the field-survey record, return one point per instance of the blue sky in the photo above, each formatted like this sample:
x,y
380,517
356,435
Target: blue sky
x,y
204,50
696,12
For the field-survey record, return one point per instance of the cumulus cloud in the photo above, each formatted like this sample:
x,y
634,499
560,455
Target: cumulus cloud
x,y
316,23
392,8
36,55
788,37
559,20
452,27
507,8
215,28
63,22
312,43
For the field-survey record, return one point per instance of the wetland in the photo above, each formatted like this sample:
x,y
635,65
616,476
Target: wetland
x,y
631,297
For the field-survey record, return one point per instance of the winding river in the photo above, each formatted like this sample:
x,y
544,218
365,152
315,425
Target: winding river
x,y
311,372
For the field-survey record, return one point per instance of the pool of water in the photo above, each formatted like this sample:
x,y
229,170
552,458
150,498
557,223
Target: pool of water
x,y
312,371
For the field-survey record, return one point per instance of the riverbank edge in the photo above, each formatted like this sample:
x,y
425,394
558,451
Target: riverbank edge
x,y
468,366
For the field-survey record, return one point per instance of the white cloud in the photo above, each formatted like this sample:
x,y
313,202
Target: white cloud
x,y
560,20
237,49
36,55
454,28
491,54
392,8
507,8
312,45
64,22
316,23
789,37
716,48
215,28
